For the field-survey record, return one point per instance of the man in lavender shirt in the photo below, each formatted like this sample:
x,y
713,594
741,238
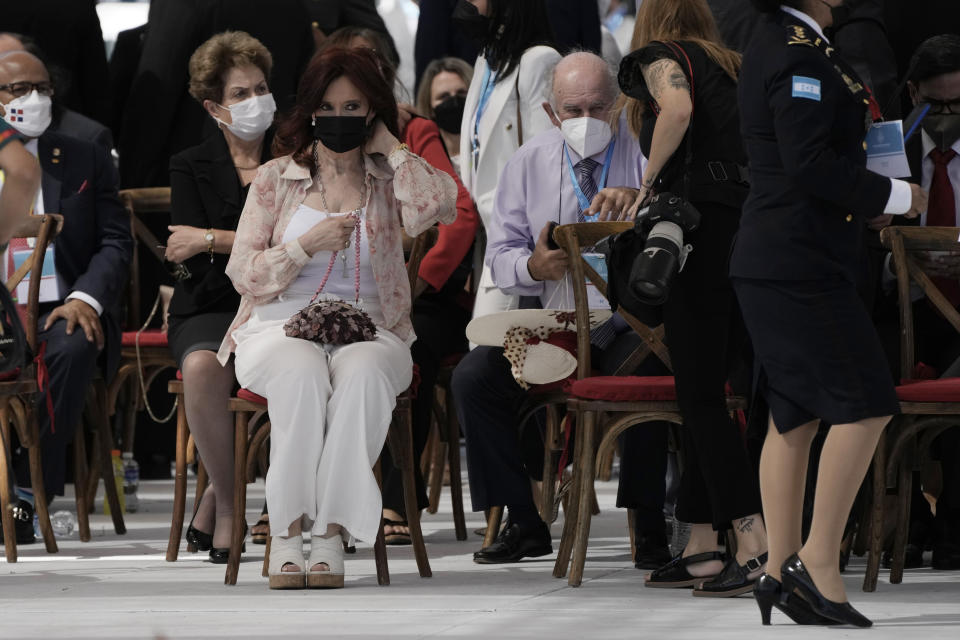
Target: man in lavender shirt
x,y
536,188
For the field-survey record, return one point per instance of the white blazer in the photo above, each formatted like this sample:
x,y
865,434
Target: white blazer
x,y
499,140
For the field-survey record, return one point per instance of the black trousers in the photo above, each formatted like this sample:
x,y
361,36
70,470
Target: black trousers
x,y
71,361
440,324
704,335
501,463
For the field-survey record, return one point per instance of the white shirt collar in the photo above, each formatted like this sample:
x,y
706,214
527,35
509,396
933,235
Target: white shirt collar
x,y
33,146
810,22
928,145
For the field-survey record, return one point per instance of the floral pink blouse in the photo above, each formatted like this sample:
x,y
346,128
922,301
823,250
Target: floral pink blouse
x,y
403,189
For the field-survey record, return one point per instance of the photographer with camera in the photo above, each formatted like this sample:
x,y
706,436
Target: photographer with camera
x,y
682,104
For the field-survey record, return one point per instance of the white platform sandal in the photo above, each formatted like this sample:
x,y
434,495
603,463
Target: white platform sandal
x,y
328,551
284,551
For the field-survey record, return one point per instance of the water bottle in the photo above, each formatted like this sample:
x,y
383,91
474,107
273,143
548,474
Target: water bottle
x,y
131,482
64,523
118,480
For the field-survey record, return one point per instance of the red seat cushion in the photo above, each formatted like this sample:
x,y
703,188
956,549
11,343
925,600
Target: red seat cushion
x,y
13,374
942,390
149,338
250,396
626,388
179,375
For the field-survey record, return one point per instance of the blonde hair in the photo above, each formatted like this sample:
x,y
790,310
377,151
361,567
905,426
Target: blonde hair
x,y
212,60
435,68
687,20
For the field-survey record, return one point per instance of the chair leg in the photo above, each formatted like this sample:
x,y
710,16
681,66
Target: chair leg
x,y
438,457
586,498
453,464
130,412
265,569
904,489
549,484
571,507
239,495
102,425
40,493
876,526
6,495
179,484
81,475
631,525
494,522
402,450
380,544
198,496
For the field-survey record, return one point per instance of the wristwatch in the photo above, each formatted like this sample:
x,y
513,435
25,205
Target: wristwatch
x,y
209,237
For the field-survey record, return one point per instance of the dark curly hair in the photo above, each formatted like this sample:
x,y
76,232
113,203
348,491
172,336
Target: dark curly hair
x,y
362,67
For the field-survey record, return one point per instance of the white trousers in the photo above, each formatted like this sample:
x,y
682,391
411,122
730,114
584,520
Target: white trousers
x,y
330,409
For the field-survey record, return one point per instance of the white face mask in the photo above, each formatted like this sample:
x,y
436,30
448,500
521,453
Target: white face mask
x,y
30,114
251,117
586,136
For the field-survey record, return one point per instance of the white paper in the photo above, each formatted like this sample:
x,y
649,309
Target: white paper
x,y
886,153
595,299
49,291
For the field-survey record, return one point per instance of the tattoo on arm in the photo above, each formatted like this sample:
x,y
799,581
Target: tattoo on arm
x,y
664,74
745,525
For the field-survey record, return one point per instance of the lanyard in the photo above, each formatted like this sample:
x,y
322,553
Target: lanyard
x,y
581,197
489,81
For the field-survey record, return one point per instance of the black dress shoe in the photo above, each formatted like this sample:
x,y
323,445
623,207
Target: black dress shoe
x,y
652,551
674,574
733,580
22,523
769,593
796,579
220,555
202,541
516,542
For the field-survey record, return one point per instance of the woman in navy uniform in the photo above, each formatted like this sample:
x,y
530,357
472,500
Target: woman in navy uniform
x,y
804,115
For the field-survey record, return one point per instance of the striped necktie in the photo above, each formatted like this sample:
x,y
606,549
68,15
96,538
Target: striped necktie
x,y
584,170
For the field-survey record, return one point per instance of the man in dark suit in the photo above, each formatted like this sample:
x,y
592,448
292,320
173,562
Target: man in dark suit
x,y
439,37
70,34
935,164
330,15
160,118
91,256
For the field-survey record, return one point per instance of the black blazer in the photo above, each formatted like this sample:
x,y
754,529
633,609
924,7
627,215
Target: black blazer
x,y
205,192
810,191
93,251
439,37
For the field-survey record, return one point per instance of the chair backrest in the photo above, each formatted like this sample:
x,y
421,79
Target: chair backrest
x,y
142,204
44,228
904,244
421,244
572,238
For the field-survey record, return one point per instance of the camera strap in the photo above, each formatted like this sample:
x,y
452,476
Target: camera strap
x,y
688,160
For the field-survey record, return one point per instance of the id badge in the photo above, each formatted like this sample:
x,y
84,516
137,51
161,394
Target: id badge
x,y
886,152
598,262
49,290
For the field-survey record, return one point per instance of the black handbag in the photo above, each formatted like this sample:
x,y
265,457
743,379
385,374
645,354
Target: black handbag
x,y
15,353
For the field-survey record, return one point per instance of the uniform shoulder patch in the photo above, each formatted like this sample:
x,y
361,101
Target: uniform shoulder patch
x,y
804,87
797,35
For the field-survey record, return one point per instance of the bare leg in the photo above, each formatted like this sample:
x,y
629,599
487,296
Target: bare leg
x,y
783,472
846,456
207,387
751,536
204,520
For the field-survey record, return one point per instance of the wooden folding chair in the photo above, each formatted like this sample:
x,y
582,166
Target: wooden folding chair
x,y
927,407
248,443
18,389
633,399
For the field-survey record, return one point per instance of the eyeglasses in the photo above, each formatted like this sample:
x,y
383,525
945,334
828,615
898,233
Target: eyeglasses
x,y
940,107
20,89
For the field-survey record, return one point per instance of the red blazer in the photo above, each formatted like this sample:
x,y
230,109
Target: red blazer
x,y
455,239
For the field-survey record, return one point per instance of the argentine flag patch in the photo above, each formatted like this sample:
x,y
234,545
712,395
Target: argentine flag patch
x,y
808,88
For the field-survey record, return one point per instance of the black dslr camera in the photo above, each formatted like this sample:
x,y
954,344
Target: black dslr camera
x,y
642,262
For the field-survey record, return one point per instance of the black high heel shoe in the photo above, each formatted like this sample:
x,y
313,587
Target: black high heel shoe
x,y
769,593
220,555
796,578
202,541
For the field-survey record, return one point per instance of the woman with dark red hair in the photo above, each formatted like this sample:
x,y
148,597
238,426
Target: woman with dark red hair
x,y
325,217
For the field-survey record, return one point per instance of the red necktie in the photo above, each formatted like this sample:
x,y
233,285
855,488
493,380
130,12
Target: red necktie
x,y
942,212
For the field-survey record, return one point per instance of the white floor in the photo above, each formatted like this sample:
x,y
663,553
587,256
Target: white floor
x,y
121,587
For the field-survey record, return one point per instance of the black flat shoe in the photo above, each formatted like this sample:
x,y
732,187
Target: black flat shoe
x,y
202,541
515,543
796,579
652,551
733,580
769,593
22,523
674,574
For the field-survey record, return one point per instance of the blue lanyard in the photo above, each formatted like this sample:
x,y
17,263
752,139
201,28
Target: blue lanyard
x,y
581,197
489,81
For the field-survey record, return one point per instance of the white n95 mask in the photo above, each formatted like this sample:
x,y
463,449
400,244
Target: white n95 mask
x,y
251,117
586,136
30,114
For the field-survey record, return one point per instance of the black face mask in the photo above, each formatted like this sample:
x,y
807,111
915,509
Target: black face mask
x,y
449,113
471,23
341,133
943,128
